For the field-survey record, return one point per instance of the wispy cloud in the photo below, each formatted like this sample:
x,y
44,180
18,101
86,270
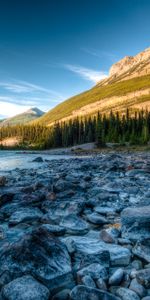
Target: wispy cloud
x,y
18,86
86,73
100,54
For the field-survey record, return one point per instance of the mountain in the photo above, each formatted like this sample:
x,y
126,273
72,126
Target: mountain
x,y
28,116
128,85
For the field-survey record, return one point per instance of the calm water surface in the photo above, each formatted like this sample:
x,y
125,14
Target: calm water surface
x,y
10,160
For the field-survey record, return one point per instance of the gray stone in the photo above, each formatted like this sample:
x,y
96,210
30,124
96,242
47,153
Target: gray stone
x,y
138,288
88,281
25,215
41,255
136,223
96,219
95,270
90,250
106,236
143,277
117,277
38,159
25,288
62,295
3,181
142,251
104,210
100,283
74,225
54,229
82,292
126,294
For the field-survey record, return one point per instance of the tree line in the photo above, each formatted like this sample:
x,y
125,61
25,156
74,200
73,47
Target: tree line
x,y
114,128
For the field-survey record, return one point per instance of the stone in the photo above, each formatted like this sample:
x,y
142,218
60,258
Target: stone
x,y
100,283
96,219
104,210
25,215
138,288
25,288
106,236
38,159
81,292
143,277
5,198
88,281
3,181
62,295
54,229
40,254
74,225
142,251
90,250
95,270
117,277
137,264
126,294
136,223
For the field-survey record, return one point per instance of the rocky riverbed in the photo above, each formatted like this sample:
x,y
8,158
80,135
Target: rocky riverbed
x,y
76,229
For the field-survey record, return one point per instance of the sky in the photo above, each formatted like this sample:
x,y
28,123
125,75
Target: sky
x,y
51,50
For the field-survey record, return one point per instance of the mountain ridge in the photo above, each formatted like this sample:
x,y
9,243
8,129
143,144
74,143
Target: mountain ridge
x,y
128,77
23,118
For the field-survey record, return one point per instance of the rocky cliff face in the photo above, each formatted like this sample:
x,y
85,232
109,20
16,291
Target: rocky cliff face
x,y
132,64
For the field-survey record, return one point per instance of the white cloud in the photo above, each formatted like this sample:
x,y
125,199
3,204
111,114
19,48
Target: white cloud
x,y
85,73
11,109
100,54
18,86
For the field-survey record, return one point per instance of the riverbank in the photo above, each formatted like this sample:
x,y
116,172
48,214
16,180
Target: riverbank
x,y
77,228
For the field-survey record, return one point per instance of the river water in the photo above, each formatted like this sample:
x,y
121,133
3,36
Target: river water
x,y
10,160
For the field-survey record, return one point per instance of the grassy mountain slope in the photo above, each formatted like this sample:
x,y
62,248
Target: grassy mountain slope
x,y
98,93
23,118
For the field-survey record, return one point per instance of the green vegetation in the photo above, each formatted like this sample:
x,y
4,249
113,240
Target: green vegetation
x,y
113,128
95,94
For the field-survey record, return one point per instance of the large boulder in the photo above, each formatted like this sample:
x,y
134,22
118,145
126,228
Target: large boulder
x,y
25,288
25,215
91,250
136,222
39,254
81,292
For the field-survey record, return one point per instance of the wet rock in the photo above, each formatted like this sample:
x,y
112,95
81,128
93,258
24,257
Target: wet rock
x,y
100,283
138,288
104,210
81,292
5,198
3,181
38,159
142,251
42,256
25,215
96,219
54,229
88,281
117,277
136,223
126,294
62,295
137,264
106,236
25,288
143,277
74,225
95,270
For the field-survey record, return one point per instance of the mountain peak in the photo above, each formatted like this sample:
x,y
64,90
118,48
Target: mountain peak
x,y
137,65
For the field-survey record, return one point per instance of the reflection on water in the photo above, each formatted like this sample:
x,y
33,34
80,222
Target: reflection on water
x,y
10,160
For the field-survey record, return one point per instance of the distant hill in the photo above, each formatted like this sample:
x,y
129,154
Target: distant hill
x,y
128,85
24,118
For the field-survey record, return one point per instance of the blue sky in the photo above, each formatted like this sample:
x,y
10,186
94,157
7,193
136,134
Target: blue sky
x,y
53,49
